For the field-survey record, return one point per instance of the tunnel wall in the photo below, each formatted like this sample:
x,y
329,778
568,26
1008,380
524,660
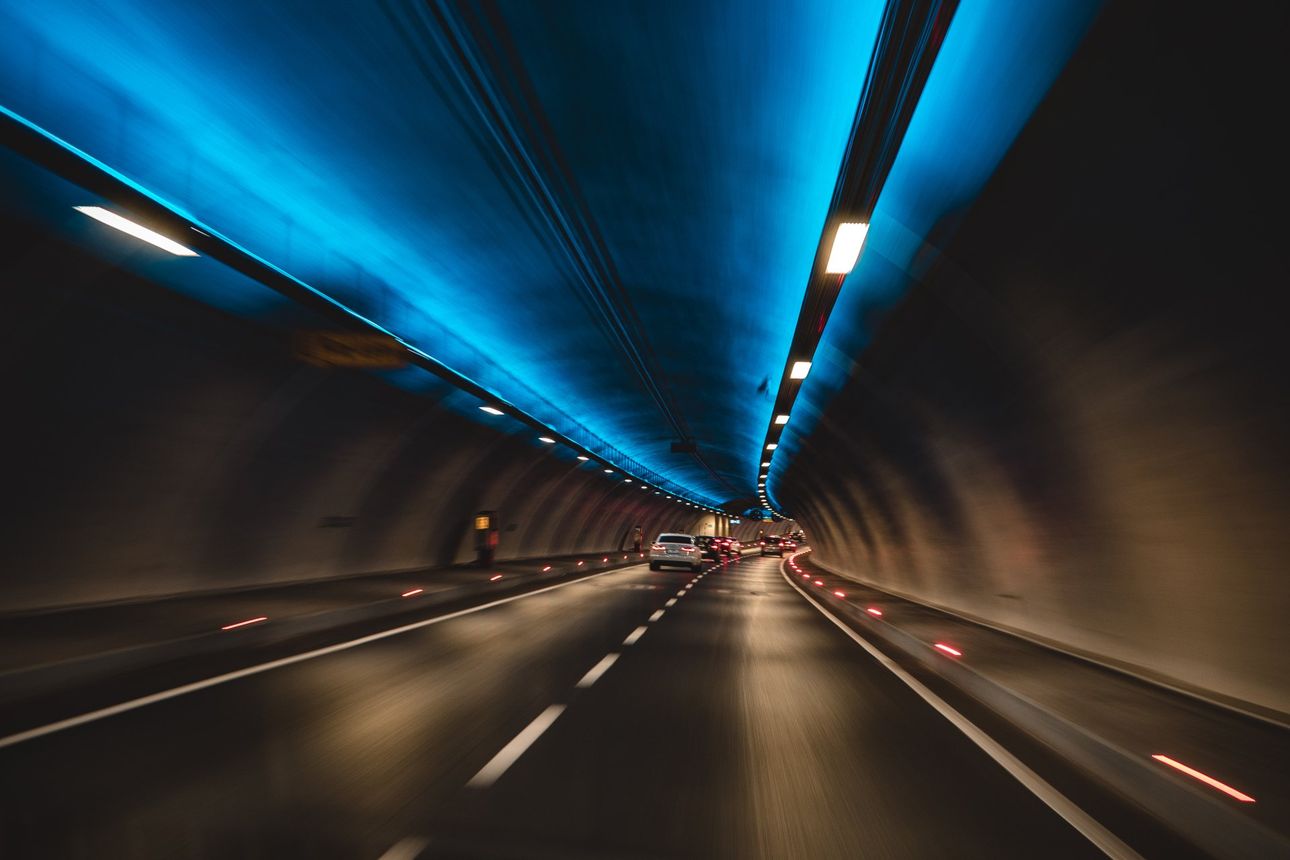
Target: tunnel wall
x,y
157,446
1076,425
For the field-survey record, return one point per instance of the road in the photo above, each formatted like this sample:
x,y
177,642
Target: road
x,y
735,722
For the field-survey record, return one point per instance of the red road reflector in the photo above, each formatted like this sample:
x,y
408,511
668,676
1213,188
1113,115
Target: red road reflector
x,y
1208,780
875,611
579,564
545,569
819,582
840,593
413,593
954,652
494,577
244,623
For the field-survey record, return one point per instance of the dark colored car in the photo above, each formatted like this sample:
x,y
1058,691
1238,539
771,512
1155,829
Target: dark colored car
x,y
727,545
772,545
709,546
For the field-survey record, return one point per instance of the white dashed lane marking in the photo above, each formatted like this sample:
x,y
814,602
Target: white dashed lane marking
x,y
597,670
508,755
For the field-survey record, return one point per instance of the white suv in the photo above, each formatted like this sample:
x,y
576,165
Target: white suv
x,y
679,550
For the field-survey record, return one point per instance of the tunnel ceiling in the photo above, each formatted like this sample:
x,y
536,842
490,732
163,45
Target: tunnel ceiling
x,y
606,213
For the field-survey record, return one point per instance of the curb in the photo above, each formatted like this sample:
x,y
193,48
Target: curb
x,y
1202,818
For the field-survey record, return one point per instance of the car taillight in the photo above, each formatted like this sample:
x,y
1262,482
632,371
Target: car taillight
x,y
658,547
687,549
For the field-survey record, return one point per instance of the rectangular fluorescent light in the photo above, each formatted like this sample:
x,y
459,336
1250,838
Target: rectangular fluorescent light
x,y
799,370
767,463
781,419
546,439
846,248
580,457
138,231
772,446
491,410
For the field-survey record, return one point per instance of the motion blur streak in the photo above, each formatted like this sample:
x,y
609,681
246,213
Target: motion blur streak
x,y
244,623
941,646
1208,780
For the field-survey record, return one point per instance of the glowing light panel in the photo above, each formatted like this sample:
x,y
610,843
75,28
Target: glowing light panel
x,y
138,231
847,243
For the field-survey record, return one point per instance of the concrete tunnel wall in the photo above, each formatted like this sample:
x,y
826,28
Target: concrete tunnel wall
x,y
1077,425
159,447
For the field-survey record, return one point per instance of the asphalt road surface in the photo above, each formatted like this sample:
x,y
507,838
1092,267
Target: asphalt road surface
x,y
735,721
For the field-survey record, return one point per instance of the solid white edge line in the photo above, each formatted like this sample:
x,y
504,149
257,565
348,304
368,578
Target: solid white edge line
x,y
656,616
407,848
509,754
1085,824
594,673
153,698
635,635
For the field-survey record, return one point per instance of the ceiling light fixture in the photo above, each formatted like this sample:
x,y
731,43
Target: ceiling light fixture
x,y
799,370
781,419
138,231
847,243
491,410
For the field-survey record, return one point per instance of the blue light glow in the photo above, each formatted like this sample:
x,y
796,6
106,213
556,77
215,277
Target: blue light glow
x,y
997,63
704,141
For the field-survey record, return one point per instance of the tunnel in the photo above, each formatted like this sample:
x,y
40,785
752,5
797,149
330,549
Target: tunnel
x,y
693,428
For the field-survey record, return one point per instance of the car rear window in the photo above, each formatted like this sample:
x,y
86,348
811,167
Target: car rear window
x,y
675,539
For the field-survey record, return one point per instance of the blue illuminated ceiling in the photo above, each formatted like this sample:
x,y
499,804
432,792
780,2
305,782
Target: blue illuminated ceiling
x,y
604,212
998,61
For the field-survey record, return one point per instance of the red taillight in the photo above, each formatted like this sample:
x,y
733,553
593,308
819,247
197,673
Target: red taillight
x,y
761,542
658,547
687,549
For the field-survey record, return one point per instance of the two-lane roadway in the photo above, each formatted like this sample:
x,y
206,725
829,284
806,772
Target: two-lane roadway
x,y
631,714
